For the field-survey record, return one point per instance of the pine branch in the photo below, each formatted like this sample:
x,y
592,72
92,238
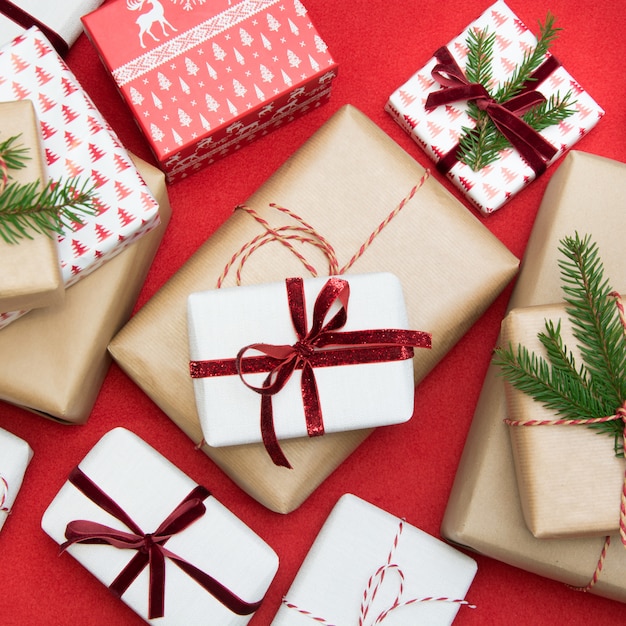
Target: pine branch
x,y
13,156
480,54
56,208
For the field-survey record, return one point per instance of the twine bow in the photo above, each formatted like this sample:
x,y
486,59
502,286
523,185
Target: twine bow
x,y
321,345
533,148
150,547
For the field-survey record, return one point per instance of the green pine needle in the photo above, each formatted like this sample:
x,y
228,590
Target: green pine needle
x,y
597,388
14,156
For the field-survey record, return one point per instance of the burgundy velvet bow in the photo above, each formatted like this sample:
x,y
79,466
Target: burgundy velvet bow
x,y
533,148
26,20
150,547
361,346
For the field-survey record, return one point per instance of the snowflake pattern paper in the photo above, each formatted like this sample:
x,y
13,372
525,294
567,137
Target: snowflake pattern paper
x,y
202,80
439,130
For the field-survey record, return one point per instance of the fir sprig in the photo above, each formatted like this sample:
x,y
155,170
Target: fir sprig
x,y
481,145
596,388
27,207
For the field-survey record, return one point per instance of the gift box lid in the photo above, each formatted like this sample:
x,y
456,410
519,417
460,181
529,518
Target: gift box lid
x,y
15,455
149,489
364,560
359,392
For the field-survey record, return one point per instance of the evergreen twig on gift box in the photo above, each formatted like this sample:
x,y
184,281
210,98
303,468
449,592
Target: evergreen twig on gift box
x,y
597,388
479,146
24,207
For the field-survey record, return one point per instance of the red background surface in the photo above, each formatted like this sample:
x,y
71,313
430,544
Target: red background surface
x,y
408,469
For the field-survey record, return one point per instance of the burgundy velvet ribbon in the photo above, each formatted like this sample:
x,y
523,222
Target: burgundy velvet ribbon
x,y
360,346
150,547
26,20
533,148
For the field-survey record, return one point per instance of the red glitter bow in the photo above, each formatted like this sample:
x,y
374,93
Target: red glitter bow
x,y
150,547
533,148
360,346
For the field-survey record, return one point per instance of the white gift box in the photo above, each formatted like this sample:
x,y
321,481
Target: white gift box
x,y
438,131
63,21
149,488
77,141
353,396
357,544
15,455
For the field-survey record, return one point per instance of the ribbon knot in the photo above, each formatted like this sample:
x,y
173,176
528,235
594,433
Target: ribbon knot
x,y
303,349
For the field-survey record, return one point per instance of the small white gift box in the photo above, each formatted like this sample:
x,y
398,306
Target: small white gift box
x,y
122,471
356,388
15,455
366,561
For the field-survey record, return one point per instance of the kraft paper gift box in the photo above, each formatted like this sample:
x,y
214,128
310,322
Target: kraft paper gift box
x,y
569,478
346,180
438,130
203,80
484,510
216,569
61,25
354,391
67,344
363,560
15,455
77,141
30,276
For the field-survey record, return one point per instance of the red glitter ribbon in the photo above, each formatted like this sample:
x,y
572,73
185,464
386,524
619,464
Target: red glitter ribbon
x,y
533,148
151,551
26,21
316,346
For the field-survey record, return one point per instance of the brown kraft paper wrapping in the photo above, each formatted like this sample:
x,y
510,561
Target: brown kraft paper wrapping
x,y
344,182
30,275
484,511
569,479
67,343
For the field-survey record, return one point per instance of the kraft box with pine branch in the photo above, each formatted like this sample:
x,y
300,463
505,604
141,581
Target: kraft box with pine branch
x,y
15,455
204,79
493,127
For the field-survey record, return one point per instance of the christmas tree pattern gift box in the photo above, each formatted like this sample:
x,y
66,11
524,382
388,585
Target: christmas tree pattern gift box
x,y
15,455
78,142
61,27
30,276
359,204
339,357
204,79
484,511
518,127
67,343
367,566
158,540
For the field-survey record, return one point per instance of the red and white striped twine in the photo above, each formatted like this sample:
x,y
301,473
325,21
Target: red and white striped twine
x,y
374,584
304,233
4,494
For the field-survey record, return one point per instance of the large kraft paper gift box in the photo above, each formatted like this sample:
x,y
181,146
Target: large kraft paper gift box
x,y
67,344
158,540
60,24
346,180
438,129
30,276
204,79
484,511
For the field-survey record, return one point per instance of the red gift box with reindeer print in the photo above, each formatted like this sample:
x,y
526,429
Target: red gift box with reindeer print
x,y
205,79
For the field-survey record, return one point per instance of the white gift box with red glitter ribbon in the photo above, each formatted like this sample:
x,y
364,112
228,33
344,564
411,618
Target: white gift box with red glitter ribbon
x,y
15,455
149,488
366,561
352,396
438,131
77,141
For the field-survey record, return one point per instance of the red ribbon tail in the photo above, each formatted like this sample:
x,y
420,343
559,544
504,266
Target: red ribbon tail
x,y
156,598
269,433
311,398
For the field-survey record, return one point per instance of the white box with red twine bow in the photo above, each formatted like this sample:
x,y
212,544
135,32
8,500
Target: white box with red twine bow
x,y
301,357
437,130
61,27
77,141
366,561
126,511
15,455
203,80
